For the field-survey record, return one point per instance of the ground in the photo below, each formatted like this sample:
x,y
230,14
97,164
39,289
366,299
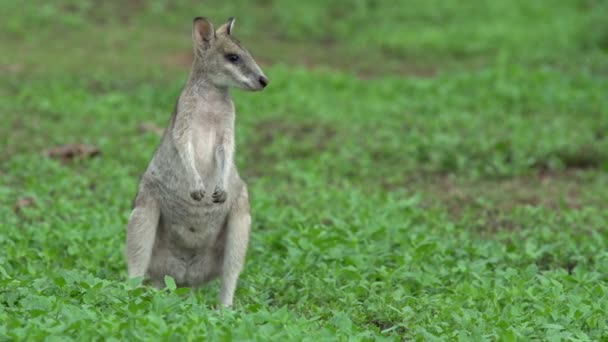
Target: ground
x,y
433,170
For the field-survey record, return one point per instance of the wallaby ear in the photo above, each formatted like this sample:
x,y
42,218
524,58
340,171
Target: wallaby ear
x,y
226,28
202,31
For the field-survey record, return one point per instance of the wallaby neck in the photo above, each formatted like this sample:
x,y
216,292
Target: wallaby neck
x,y
200,87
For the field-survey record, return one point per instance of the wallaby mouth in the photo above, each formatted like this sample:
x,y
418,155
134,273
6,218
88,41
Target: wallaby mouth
x,y
261,83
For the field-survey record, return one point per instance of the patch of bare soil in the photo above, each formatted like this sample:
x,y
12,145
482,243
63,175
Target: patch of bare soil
x,y
268,130
308,138
12,68
100,11
549,262
532,190
149,127
69,152
553,190
182,60
22,203
490,206
326,53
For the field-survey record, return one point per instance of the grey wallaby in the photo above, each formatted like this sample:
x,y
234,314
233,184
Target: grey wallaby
x,y
191,216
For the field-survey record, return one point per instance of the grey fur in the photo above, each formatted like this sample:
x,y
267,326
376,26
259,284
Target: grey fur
x,y
191,217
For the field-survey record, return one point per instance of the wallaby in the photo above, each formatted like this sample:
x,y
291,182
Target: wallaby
x,y
191,217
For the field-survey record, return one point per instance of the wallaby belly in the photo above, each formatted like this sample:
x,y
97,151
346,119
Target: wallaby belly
x,y
190,238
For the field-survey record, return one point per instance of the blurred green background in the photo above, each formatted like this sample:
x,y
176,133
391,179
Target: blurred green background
x,y
428,170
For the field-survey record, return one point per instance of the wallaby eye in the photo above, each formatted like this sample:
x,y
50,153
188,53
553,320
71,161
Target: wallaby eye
x,y
232,57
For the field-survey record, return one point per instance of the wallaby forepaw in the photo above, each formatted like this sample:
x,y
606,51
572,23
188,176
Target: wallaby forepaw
x,y
197,195
219,195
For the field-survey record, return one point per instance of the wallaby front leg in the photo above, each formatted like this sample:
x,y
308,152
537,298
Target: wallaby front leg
x,y
237,239
141,234
186,154
222,158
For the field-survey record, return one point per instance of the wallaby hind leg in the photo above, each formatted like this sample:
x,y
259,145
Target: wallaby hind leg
x,y
141,233
237,239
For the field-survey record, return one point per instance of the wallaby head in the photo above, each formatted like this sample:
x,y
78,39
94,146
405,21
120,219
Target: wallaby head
x,y
220,58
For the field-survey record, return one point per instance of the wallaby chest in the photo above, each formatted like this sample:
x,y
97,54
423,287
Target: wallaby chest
x,y
212,125
205,140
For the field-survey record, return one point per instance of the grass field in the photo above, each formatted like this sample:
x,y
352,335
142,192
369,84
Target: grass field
x,y
430,170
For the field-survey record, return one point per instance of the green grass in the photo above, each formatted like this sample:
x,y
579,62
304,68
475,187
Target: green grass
x,y
430,171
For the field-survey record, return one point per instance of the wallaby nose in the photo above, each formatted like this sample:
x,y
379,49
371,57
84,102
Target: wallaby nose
x,y
264,81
